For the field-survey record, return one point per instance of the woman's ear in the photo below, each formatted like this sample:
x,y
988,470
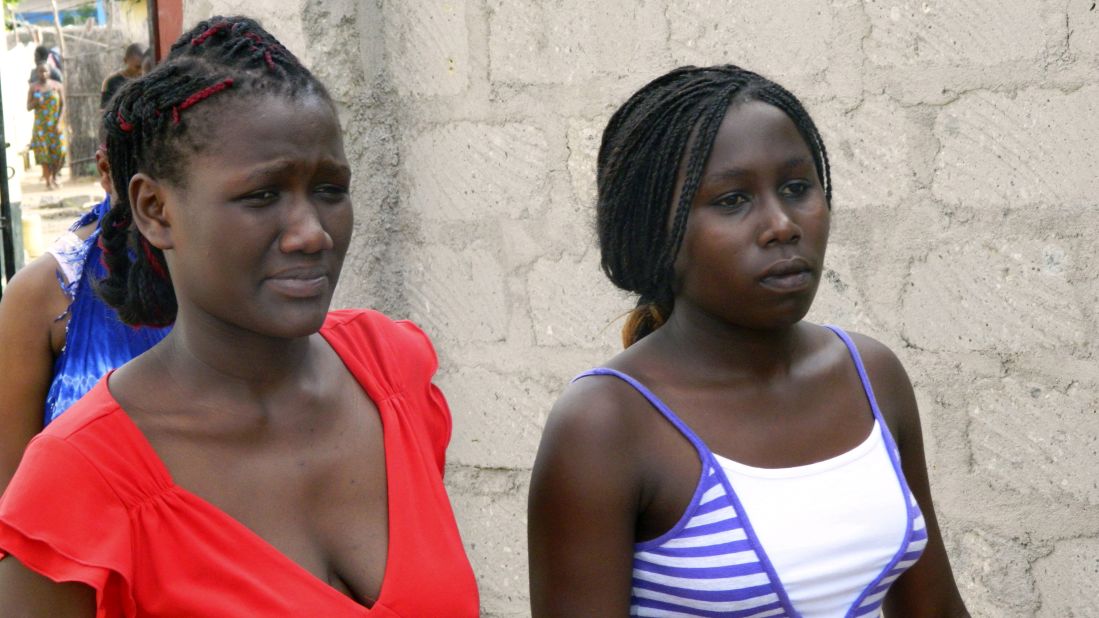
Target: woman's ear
x,y
151,216
103,168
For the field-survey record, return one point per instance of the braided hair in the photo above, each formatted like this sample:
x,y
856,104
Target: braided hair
x,y
156,121
667,127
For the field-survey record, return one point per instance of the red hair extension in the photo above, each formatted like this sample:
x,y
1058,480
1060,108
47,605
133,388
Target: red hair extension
x,y
149,255
259,44
103,251
199,96
122,124
211,31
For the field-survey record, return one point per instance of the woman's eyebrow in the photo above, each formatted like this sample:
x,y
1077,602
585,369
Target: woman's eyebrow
x,y
275,168
268,169
734,173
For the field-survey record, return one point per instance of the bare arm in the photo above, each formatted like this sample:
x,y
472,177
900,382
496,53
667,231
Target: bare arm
x,y
928,587
30,98
31,302
583,507
26,594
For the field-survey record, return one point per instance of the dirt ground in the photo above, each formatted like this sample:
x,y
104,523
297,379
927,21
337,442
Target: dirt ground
x,y
48,213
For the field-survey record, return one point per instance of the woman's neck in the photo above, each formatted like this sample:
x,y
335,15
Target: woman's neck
x,y
705,345
204,350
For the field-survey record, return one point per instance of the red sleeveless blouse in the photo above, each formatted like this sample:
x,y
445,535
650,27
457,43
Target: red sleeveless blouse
x,y
92,503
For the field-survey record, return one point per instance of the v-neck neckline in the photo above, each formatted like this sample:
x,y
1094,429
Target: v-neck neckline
x,y
378,399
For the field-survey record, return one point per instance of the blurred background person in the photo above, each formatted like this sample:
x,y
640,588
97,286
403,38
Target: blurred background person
x,y
45,98
42,54
132,62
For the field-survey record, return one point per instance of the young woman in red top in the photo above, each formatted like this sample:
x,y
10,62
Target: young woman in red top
x,y
268,458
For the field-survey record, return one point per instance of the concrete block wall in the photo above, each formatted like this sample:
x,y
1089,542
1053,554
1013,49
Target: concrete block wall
x,y
963,137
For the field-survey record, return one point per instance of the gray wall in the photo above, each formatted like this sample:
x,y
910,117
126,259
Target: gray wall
x,y
963,136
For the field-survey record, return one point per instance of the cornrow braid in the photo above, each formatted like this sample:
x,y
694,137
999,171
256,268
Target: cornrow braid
x,y
241,42
669,126
156,121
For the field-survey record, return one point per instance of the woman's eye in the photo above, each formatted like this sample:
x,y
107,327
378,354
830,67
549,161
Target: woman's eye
x,y
260,198
732,200
332,192
795,189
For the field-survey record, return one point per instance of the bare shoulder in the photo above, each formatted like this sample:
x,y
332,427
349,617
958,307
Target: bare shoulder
x,y
882,364
583,503
35,292
891,384
594,425
594,412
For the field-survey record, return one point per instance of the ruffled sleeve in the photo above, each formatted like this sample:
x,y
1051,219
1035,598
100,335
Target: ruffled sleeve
x,y
421,365
60,518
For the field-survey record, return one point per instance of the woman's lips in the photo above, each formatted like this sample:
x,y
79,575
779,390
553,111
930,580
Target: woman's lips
x,y
790,282
788,275
300,283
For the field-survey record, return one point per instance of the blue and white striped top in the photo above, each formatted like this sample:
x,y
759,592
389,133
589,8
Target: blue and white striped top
x,y
712,563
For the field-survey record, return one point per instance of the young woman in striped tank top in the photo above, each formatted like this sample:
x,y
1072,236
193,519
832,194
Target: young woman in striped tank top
x,y
734,460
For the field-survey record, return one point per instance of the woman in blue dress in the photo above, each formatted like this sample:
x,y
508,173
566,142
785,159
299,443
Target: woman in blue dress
x,y
57,338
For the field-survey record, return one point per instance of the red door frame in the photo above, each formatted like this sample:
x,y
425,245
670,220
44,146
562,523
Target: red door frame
x,y
165,24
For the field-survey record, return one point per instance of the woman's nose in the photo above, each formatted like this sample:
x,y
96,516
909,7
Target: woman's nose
x,y
304,230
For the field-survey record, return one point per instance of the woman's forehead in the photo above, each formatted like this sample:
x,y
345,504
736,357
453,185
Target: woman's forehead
x,y
256,131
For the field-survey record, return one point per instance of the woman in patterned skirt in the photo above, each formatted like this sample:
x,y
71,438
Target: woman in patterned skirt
x,y
44,98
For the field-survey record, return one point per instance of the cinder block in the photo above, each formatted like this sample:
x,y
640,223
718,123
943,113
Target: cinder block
x,y
457,296
945,33
992,571
870,253
498,418
490,505
575,40
1035,147
755,34
428,47
1067,579
1083,23
572,304
584,136
872,149
466,171
1037,438
840,297
333,42
977,290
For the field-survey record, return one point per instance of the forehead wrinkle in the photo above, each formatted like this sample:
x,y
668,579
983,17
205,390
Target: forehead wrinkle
x,y
282,166
265,170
